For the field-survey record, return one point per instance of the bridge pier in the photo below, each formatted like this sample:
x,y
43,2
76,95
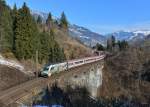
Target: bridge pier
x,y
89,77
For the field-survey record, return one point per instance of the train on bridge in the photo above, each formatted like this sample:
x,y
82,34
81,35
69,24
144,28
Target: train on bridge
x,y
47,71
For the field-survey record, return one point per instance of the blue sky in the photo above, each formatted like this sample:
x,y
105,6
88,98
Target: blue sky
x,y
102,16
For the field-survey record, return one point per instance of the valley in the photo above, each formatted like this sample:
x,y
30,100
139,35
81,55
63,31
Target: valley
x,y
74,53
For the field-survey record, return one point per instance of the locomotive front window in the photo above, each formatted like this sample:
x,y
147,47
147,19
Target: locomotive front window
x,y
52,68
46,69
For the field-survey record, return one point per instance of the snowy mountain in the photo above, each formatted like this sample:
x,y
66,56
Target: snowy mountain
x,y
90,38
37,13
130,35
86,36
145,32
83,34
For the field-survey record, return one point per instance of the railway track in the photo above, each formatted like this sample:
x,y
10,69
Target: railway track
x,y
15,93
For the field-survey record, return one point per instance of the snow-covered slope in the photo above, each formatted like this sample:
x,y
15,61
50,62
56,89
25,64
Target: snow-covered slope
x,y
130,35
145,32
86,36
11,63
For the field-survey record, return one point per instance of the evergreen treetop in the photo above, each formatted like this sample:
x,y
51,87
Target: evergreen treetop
x,y
113,39
25,34
63,21
49,19
39,20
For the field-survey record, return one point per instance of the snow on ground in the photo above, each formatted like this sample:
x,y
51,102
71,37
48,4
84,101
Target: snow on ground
x,y
11,63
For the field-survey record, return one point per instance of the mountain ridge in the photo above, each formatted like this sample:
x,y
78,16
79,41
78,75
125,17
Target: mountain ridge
x,y
86,36
129,35
90,38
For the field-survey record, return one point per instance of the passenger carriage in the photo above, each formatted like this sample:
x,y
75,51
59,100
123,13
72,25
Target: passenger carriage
x,y
56,68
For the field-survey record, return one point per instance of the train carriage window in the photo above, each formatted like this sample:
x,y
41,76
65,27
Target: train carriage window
x,y
70,64
88,59
79,62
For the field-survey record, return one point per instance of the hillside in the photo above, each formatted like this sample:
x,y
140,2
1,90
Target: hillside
x,y
72,48
10,77
127,75
86,36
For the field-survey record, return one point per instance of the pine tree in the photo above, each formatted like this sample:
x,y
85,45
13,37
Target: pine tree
x,y
39,20
99,47
56,22
113,41
52,35
119,44
62,55
123,45
49,50
14,18
56,53
25,34
6,31
49,21
44,47
14,12
3,2
51,55
109,45
63,21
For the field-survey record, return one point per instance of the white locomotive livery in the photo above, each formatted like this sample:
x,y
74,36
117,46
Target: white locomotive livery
x,y
56,68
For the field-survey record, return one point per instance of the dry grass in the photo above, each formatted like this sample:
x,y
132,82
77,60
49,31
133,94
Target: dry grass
x,y
121,76
72,48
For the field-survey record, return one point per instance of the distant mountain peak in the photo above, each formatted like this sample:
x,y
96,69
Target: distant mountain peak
x,y
130,36
88,37
145,32
39,13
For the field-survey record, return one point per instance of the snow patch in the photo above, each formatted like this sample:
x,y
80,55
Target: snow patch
x,y
146,32
75,31
11,63
85,37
